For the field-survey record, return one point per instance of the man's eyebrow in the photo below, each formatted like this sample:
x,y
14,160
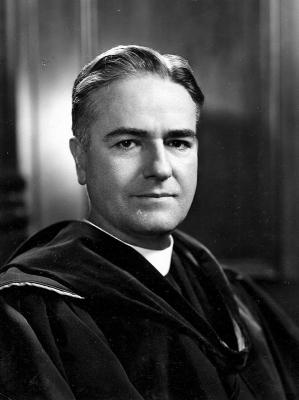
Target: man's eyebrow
x,y
181,133
125,131
174,133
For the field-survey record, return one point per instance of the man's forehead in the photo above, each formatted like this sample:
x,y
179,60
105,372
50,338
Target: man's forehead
x,y
138,86
131,100
144,112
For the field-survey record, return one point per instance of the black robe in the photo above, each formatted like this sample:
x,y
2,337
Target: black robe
x,y
83,316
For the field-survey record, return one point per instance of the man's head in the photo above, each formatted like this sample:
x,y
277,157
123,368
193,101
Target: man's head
x,y
134,117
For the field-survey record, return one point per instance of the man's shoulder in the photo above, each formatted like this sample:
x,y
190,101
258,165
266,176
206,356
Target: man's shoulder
x,y
40,261
52,241
44,238
191,244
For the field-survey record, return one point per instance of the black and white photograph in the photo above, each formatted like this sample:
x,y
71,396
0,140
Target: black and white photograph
x,y
149,200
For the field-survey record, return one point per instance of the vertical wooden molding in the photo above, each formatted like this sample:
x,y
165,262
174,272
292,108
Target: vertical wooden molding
x,y
271,117
280,80
29,80
88,29
13,218
290,136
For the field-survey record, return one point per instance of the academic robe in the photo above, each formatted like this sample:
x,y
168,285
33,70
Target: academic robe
x,y
86,317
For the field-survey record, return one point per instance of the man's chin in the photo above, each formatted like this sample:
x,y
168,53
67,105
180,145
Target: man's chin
x,y
156,228
158,223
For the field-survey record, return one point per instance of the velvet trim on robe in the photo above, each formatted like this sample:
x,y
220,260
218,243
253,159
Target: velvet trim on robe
x,y
84,316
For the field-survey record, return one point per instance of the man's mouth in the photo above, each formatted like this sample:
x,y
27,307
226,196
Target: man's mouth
x,y
156,195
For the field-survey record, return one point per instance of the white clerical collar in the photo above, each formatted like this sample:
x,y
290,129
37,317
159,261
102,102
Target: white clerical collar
x,y
160,259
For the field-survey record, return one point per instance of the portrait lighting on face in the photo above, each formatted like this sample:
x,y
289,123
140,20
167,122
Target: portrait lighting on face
x,y
141,159
135,116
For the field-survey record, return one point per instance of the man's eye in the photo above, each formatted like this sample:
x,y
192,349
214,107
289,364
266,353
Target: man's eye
x,y
126,144
179,144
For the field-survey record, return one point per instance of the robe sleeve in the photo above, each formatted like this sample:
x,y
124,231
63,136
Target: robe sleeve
x,y
51,349
281,333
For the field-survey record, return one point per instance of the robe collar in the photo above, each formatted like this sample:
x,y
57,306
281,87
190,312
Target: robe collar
x,y
160,259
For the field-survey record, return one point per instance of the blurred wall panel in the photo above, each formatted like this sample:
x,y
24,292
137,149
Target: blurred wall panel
x,y
51,57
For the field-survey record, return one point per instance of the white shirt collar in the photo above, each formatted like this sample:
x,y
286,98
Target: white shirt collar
x,y
160,259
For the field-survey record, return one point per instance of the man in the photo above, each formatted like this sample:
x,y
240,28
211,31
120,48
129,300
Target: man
x,y
123,306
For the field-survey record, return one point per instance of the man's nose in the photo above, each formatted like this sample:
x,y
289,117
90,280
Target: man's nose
x,y
156,162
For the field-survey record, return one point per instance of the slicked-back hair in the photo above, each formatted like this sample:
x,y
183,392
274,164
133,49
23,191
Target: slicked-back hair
x,y
123,62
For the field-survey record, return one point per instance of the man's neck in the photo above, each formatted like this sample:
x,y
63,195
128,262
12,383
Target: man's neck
x,y
147,241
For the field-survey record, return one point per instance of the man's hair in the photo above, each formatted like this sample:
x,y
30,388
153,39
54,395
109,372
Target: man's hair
x,y
123,62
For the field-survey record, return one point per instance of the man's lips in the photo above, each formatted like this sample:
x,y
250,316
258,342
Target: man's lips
x,y
156,195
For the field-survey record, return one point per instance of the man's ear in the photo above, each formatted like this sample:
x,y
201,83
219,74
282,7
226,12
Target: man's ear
x,y
80,158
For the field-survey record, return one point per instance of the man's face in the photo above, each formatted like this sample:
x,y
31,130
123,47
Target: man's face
x,y
141,164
